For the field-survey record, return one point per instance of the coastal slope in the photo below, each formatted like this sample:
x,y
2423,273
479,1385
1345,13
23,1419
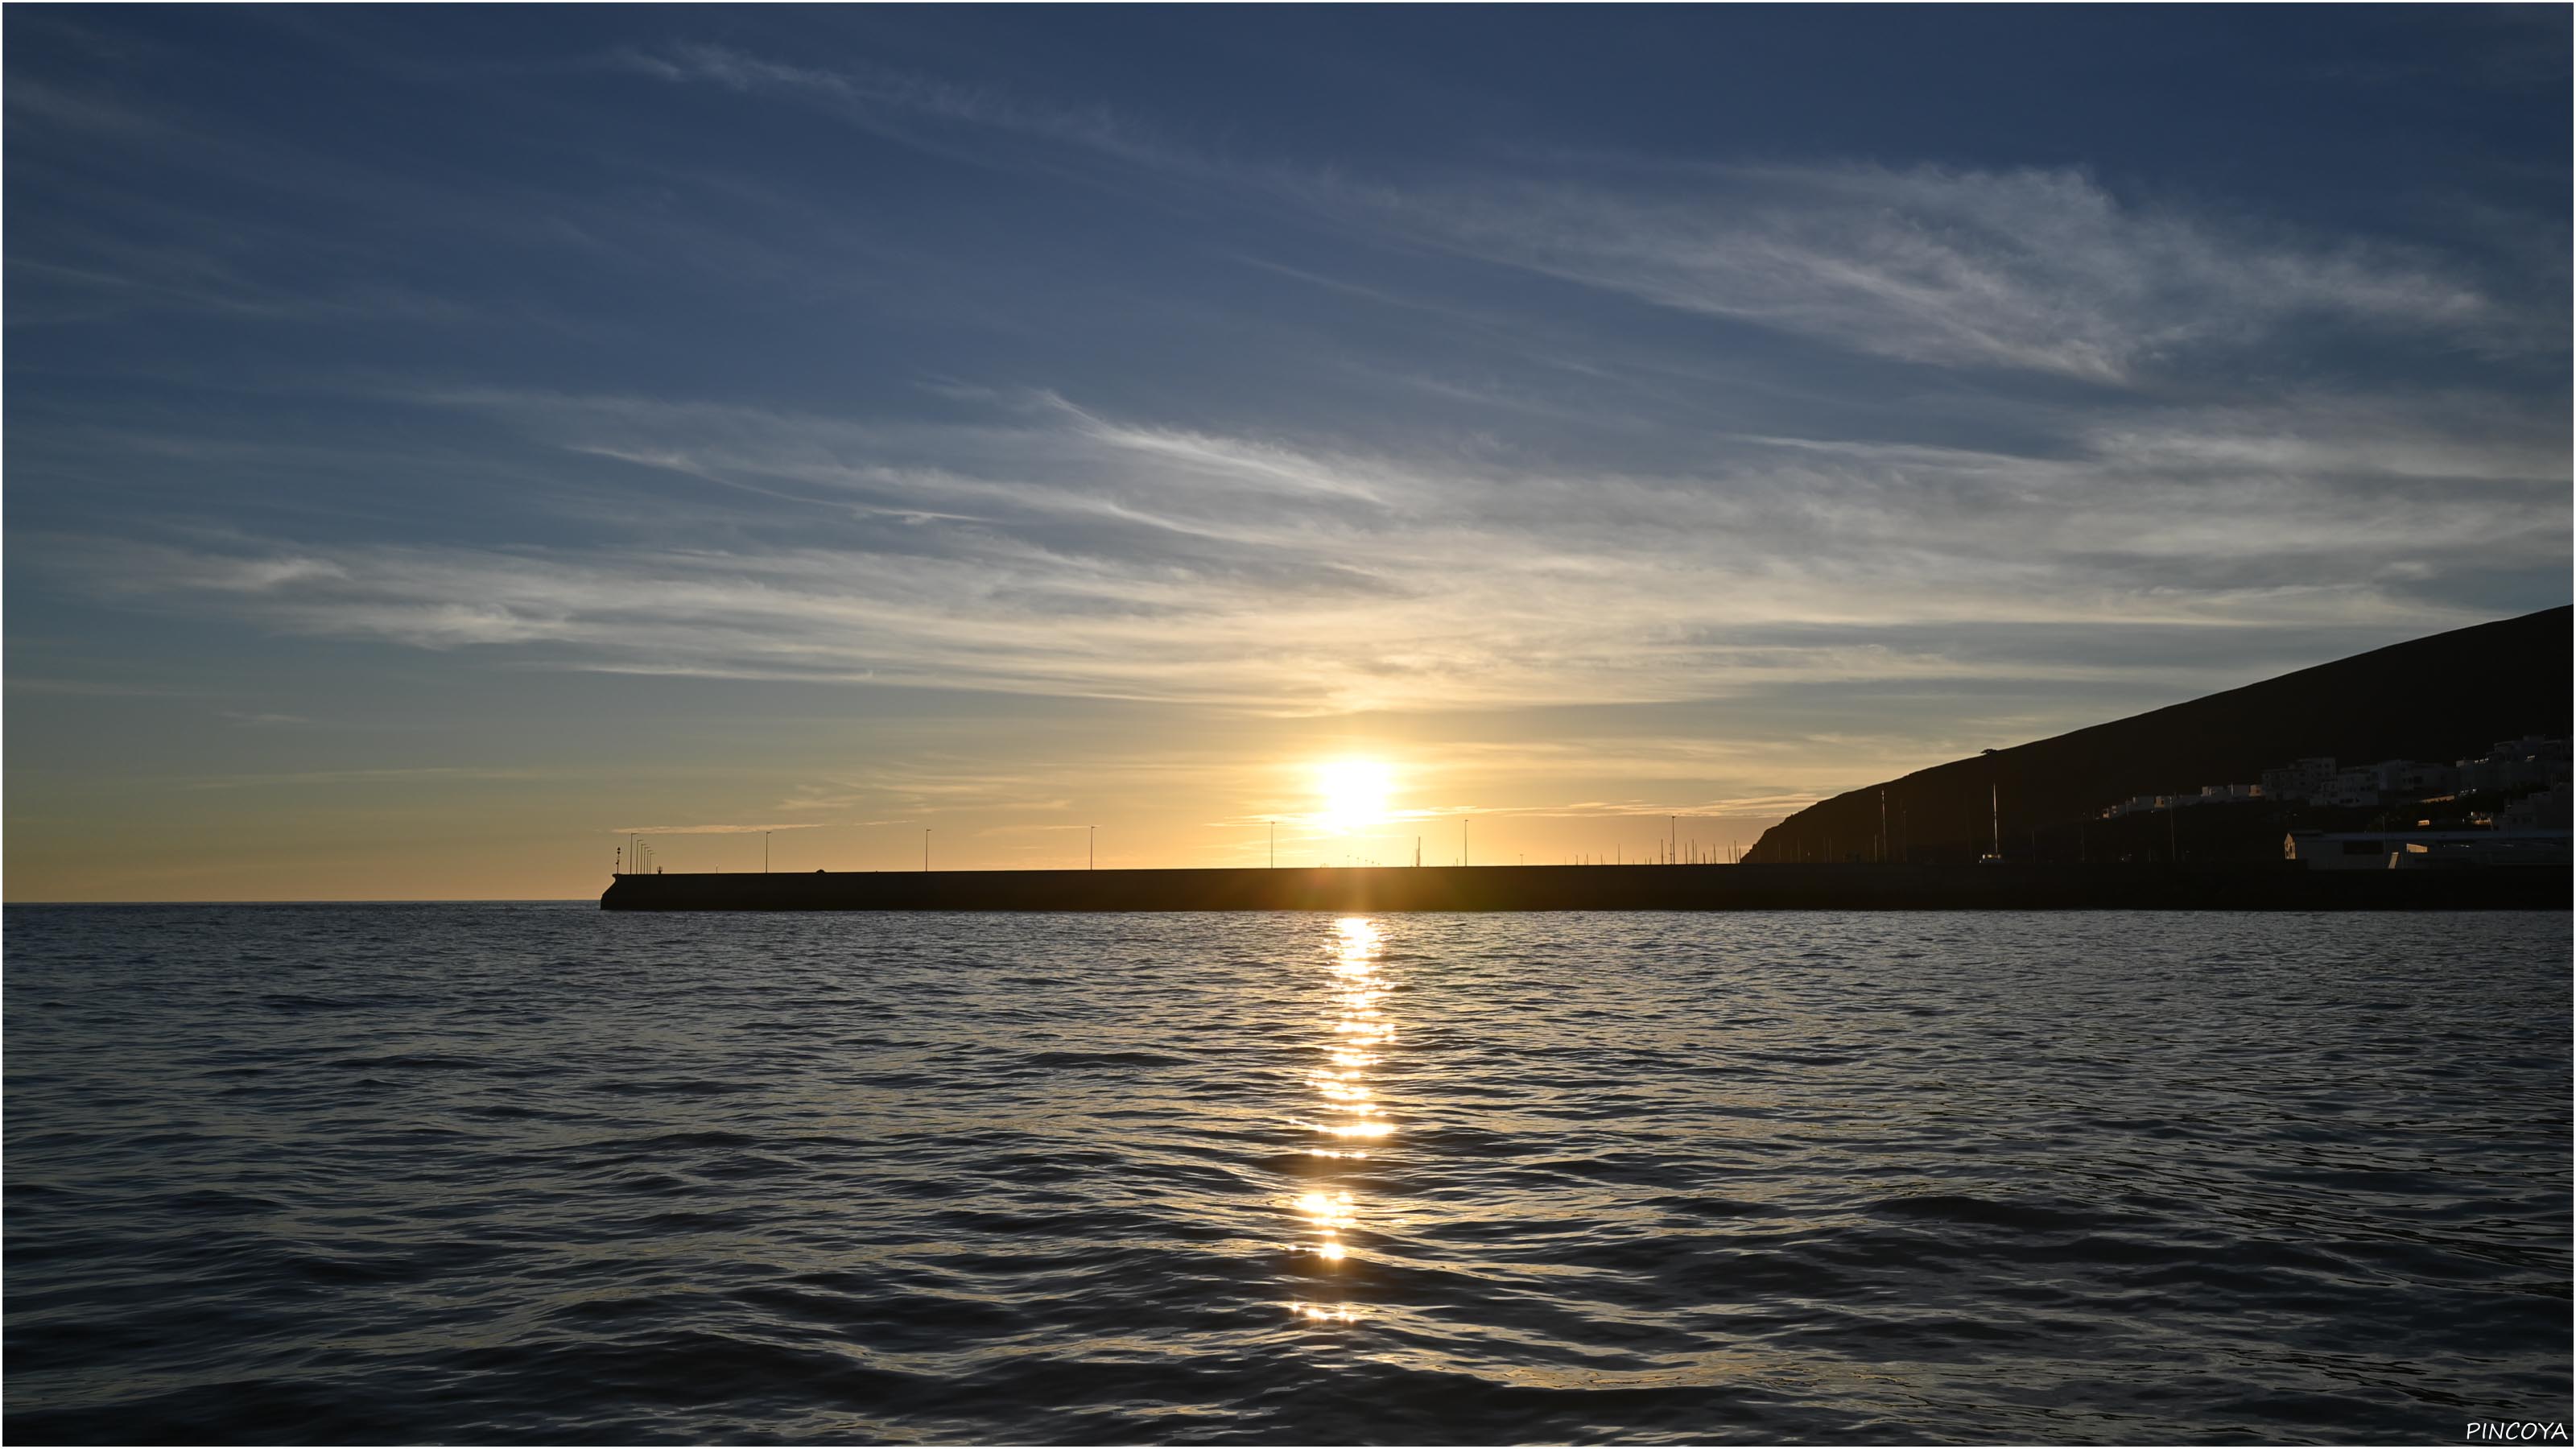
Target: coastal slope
x,y
2443,697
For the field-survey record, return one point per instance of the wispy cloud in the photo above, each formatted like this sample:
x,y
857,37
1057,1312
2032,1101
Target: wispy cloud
x,y
2038,269
1057,550
893,102
2044,270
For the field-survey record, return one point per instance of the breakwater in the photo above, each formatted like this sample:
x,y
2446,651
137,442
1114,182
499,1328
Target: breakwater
x,y
2284,887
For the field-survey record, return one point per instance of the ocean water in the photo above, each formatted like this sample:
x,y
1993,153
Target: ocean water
x,y
536,1172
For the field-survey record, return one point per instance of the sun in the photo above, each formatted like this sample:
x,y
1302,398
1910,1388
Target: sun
x,y
1355,793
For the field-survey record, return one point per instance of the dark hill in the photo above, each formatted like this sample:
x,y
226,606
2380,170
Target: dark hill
x,y
2446,697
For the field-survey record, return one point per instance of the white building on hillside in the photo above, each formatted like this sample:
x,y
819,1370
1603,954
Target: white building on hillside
x,y
2306,782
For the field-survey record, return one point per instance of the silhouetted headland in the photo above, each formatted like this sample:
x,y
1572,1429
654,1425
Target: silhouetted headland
x,y
2442,698
2230,887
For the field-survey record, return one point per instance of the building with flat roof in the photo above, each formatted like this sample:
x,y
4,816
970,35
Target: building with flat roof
x,y
2423,849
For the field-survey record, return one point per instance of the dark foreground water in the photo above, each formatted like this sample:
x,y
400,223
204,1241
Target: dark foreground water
x,y
536,1172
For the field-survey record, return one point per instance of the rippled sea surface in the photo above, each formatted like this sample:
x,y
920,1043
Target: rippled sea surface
x,y
518,1172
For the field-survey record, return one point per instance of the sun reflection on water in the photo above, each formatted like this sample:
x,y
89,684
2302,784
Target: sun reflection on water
x,y
1347,1103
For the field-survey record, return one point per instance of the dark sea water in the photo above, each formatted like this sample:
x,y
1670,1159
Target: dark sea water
x,y
541,1173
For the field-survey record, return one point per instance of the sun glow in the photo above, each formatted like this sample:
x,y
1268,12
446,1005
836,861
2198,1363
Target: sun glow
x,y
1355,793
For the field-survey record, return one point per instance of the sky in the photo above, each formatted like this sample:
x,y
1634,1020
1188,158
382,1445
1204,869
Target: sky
x,y
442,443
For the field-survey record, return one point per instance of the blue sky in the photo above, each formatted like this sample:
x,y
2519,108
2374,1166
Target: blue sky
x,y
441,440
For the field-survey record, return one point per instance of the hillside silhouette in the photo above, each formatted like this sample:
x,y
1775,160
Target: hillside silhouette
x,y
2445,697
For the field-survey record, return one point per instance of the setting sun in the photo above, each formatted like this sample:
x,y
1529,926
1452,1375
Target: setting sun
x,y
1355,793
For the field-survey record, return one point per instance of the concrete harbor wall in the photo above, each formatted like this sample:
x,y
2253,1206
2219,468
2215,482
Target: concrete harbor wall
x,y
1606,888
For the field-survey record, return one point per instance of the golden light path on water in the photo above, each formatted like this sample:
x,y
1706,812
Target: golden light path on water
x,y
1350,1115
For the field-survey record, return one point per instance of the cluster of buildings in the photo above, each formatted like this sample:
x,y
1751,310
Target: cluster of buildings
x,y
2533,767
2512,767
2209,795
